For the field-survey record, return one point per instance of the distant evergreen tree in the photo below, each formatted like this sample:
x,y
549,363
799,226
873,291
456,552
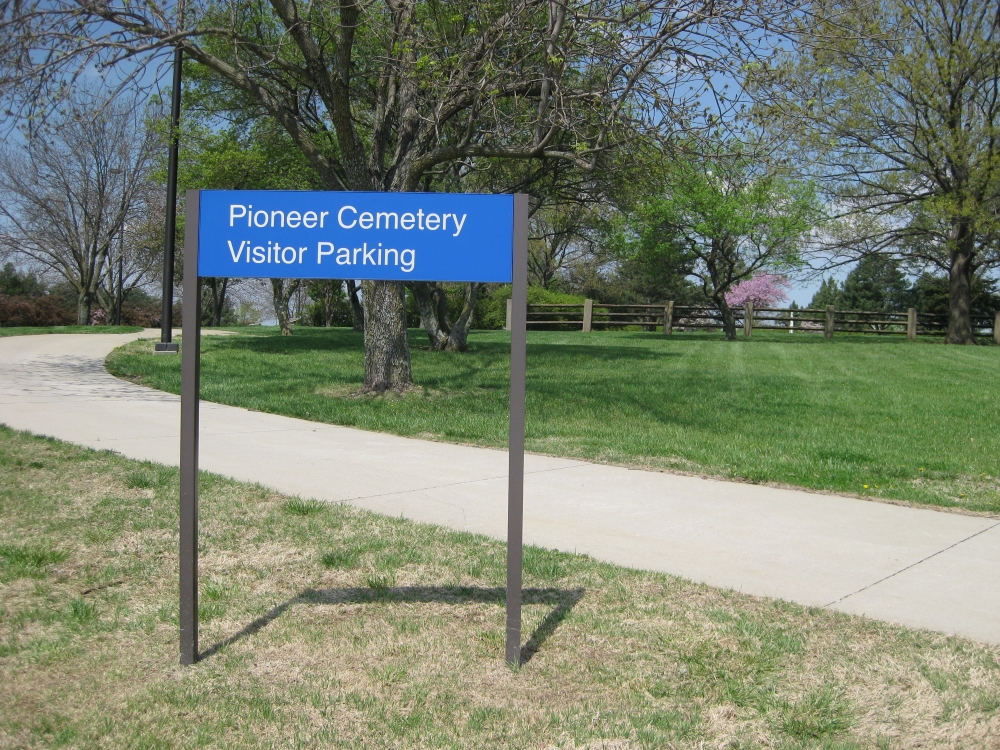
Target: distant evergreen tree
x,y
876,284
930,295
827,294
19,284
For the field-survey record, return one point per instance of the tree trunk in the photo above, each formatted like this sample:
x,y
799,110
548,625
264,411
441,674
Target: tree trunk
x,y
960,286
728,320
429,307
217,287
387,350
440,297
719,263
458,337
82,309
220,308
357,312
432,301
328,306
283,289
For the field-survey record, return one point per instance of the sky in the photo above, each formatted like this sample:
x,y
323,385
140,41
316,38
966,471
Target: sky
x,y
802,290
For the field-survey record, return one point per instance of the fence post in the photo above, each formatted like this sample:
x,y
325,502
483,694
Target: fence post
x,y
911,324
588,315
748,318
828,326
668,318
996,328
510,308
791,321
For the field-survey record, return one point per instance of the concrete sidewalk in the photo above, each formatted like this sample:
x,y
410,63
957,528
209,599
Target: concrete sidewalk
x,y
918,567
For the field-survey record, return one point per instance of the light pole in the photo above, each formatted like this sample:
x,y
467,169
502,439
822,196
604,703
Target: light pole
x,y
116,313
121,272
166,343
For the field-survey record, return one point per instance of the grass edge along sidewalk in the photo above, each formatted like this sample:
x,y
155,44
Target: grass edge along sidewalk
x,y
39,330
329,626
889,420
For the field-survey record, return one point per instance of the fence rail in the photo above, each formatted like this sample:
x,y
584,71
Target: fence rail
x,y
668,317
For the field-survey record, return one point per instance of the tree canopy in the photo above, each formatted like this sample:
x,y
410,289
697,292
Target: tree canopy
x,y
725,220
413,94
895,107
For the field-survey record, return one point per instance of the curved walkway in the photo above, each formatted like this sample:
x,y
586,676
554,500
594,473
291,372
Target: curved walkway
x,y
919,567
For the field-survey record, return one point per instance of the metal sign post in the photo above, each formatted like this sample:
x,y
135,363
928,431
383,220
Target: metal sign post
x,y
515,447
190,396
402,236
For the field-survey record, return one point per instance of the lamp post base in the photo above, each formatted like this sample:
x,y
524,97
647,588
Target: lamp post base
x,y
167,348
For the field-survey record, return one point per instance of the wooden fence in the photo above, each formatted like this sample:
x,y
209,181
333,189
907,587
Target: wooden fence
x,y
668,317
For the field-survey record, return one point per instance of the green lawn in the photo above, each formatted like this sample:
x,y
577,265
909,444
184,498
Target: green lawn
x,y
327,626
36,330
883,418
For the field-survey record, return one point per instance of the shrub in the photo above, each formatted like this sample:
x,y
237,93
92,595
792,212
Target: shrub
x,y
143,312
491,309
33,311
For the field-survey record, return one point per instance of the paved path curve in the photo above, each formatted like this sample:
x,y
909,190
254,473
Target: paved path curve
x,y
919,567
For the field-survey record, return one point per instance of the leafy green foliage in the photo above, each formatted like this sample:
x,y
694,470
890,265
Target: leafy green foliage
x,y
875,284
721,218
827,294
22,284
893,106
930,294
491,310
328,304
253,155
878,284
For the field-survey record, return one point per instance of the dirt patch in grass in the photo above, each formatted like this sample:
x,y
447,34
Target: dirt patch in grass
x,y
415,393
327,626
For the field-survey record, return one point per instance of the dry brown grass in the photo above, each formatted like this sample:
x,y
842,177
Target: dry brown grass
x,y
326,626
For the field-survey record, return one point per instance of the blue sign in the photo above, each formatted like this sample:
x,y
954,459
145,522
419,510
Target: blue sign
x,y
338,235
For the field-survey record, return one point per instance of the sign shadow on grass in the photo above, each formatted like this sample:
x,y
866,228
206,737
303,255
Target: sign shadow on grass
x,y
562,601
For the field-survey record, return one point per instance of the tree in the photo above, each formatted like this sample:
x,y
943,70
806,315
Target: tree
x,y
134,257
248,154
20,284
563,225
876,284
394,95
283,291
765,290
67,191
724,219
559,233
214,300
896,105
25,300
930,295
357,312
435,316
329,302
827,294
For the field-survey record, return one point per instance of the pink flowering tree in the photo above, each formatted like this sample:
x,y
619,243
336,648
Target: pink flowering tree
x,y
765,290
